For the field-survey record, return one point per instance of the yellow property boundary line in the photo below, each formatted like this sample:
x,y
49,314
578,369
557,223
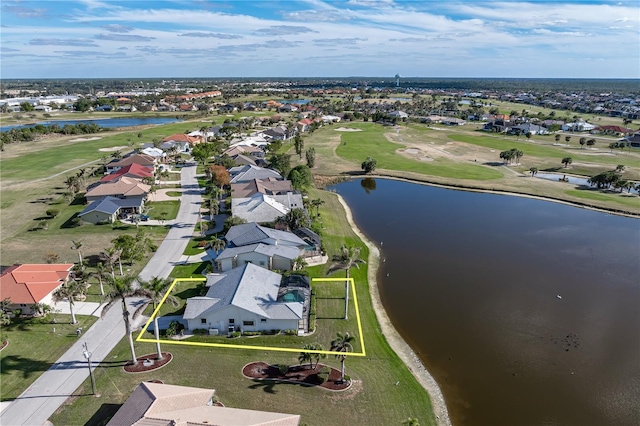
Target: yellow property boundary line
x,y
257,348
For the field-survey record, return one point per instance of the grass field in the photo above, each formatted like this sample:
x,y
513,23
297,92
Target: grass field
x,y
370,141
33,347
167,210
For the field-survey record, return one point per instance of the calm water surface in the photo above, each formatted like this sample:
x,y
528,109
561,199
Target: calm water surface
x,y
106,122
526,312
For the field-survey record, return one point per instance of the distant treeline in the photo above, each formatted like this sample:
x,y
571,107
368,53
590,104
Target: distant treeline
x,y
26,134
253,85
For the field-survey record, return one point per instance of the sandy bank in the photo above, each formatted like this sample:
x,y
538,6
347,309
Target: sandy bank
x,y
400,347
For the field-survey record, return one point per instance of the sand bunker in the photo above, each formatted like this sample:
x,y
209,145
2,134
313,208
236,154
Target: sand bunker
x,y
416,154
113,148
95,138
347,129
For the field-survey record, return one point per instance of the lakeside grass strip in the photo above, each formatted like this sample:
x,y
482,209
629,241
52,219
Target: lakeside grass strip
x,y
370,141
594,194
533,149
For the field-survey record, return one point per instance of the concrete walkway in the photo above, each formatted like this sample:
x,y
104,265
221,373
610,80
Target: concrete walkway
x,y
35,405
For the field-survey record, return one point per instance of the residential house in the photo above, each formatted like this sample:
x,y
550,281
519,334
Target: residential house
x,y
578,126
633,141
304,125
278,133
124,187
140,159
181,137
162,405
247,298
154,152
28,284
243,160
266,256
133,170
529,128
249,150
269,186
400,115
249,172
252,233
262,208
108,209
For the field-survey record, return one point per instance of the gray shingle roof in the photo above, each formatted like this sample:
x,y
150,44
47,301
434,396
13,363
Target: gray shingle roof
x,y
249,287
250,172
251,233
286,252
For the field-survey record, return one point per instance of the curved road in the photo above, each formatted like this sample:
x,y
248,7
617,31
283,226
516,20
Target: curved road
x,y
35,405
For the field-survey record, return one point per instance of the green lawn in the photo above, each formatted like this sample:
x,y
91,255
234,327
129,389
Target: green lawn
x,y
534,149
356,146
167,210
33,347
615,198
384,390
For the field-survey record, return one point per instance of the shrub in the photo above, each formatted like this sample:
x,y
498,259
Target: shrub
x,y
251,333
200,331
75,222
174,328
323,375
53,212
291,332
202,243
282,368
235,334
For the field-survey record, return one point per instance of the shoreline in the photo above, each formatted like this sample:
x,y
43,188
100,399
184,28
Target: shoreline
x,y
395,341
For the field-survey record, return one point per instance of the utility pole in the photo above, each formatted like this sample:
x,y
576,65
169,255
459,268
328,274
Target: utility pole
x,y
87,356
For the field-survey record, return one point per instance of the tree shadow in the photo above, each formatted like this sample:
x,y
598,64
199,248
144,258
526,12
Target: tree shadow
x,y
25,365
70,223
103,415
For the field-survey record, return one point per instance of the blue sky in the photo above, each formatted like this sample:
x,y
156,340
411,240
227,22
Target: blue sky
x,y
309,38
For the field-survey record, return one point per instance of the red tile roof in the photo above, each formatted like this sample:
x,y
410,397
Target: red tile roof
x,y
132,170
180,137
30,283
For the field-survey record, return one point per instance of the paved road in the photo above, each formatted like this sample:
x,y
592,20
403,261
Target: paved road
x,y
49,392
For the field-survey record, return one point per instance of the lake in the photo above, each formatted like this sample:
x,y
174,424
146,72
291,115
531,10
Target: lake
x,y
525,311
106,122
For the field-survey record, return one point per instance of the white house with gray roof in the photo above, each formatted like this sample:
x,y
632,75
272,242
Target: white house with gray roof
x,y
272,257
246,298
263,208
250,172
252,233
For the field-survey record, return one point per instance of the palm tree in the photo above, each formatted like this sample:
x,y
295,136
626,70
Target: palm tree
x,y
306,356
76,246
216,244
345,260
342,343
121,288
100,273
311,356
156,288
299,263
111,256
70,291
317,203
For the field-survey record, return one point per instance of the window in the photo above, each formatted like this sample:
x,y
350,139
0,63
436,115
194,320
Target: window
x,y
263,320
247,322
203,320
262,263
232,321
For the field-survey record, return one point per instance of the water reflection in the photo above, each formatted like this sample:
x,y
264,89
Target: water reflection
x,y
369,184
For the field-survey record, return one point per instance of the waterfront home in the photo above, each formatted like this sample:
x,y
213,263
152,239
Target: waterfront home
x,y
28,284
252,233
247,298
266,256
249,172
263,208
269,186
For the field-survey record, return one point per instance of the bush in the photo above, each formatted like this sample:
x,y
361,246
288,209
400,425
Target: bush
x,y
175,327
291,332
75,222
251,333
235,334
282,368
53,212
323,375
200,331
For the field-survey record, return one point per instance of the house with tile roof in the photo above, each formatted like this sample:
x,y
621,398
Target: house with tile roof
x,y
123,187
28,284
160,404
133,170
140,159
246,298
181,137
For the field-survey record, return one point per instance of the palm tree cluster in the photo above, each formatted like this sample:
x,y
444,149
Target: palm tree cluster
x,y
613,179
511,154
347,258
